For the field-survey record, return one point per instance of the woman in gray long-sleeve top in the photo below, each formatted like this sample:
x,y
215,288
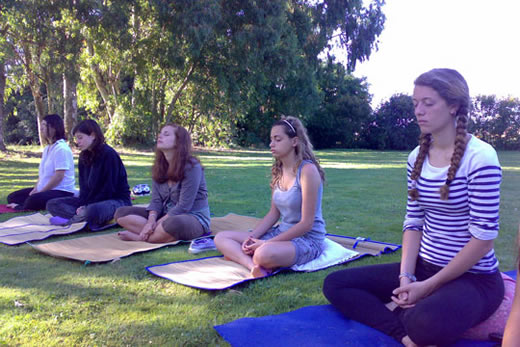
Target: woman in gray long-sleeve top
x,y
179,208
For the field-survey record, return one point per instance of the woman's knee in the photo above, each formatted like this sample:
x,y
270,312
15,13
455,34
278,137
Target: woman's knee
x,y
425,328
182,227
224,235
122,212
52,205
267,256
335,282
34,203
220,238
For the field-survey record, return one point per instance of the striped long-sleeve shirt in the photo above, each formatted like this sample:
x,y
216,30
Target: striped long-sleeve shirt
x,y
471,210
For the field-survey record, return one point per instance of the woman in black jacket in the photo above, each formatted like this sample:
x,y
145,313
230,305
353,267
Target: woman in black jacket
x,y
103,185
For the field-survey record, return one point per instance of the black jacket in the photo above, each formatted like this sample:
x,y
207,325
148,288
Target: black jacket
x,y
104,180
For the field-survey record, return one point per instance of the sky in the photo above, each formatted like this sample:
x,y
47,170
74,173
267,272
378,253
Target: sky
x,y
479,38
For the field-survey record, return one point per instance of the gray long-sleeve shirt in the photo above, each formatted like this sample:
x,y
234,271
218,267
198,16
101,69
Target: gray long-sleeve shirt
x,y
186,196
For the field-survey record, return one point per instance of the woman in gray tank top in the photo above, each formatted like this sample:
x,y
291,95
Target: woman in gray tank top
x,y
297,185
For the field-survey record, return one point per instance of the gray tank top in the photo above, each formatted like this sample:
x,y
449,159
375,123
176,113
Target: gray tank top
x,y
289,203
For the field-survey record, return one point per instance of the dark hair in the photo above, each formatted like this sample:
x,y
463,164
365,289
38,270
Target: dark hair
x,y
161,169
54,121
89,127
294,127
451,87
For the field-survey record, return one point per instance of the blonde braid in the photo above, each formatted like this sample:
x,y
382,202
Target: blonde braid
x,y
458,153
425,141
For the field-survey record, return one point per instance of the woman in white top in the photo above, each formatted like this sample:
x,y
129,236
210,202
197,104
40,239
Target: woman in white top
x,y
56,172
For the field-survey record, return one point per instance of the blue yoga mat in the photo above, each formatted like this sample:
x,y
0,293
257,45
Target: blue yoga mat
x,y
312,326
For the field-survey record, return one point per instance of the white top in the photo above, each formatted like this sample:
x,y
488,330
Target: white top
x,y
57,156
471,210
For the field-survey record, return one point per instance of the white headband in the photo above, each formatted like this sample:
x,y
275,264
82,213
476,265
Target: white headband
x,y
290,125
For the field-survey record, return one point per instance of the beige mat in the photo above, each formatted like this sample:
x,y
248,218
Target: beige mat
x,y
215,273
33,227
233,222
107,247
99,248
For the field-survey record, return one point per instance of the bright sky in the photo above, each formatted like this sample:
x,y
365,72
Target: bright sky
x,y
479,38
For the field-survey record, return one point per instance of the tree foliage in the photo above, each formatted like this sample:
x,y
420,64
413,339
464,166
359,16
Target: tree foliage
x,y
392,125
223,69
344,108
496,121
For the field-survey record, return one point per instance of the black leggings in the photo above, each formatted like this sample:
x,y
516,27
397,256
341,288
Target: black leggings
x,y
36,201
441,318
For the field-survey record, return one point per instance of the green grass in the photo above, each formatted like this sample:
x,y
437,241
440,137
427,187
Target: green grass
x,y
64,302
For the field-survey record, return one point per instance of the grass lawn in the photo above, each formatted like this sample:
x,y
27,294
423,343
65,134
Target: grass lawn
x,y
60,302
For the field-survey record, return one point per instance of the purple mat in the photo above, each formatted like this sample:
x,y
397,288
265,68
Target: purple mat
x,y
5,209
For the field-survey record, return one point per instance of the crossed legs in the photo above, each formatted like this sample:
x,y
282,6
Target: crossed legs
x,y
266,257
167,229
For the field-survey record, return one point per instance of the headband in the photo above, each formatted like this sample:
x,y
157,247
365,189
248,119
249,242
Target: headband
x,y
290,126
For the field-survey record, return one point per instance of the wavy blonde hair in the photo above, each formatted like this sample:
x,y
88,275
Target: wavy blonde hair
x,y
293,127
451,87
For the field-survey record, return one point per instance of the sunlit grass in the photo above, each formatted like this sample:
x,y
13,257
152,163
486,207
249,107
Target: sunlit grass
x,y
63,302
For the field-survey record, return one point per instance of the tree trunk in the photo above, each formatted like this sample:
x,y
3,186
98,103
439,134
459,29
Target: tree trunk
x,y
49,87
162,105
178,93
135,39
70,103
100,82
35,89
2,95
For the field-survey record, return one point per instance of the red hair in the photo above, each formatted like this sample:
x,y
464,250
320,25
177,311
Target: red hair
x,y
161,169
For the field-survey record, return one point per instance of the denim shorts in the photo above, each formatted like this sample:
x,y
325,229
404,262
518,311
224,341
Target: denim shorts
x,y
306,248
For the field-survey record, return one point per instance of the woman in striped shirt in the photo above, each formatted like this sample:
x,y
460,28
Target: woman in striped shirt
x,y
448,279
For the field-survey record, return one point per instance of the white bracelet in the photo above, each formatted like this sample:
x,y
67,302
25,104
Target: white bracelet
x,y
408,275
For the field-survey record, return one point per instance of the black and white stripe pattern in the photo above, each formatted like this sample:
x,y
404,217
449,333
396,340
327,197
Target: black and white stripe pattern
x,y
471,210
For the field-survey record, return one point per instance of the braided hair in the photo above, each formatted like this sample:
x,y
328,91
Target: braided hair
x,y
293,127
452,87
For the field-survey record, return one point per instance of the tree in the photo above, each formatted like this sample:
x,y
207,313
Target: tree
x,y
393,125
2,98
351,26
217,67
344,108
496,121
299,89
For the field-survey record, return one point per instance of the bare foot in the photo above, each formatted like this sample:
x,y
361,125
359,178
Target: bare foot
x,y
128,236
11,205
258,271
407,341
